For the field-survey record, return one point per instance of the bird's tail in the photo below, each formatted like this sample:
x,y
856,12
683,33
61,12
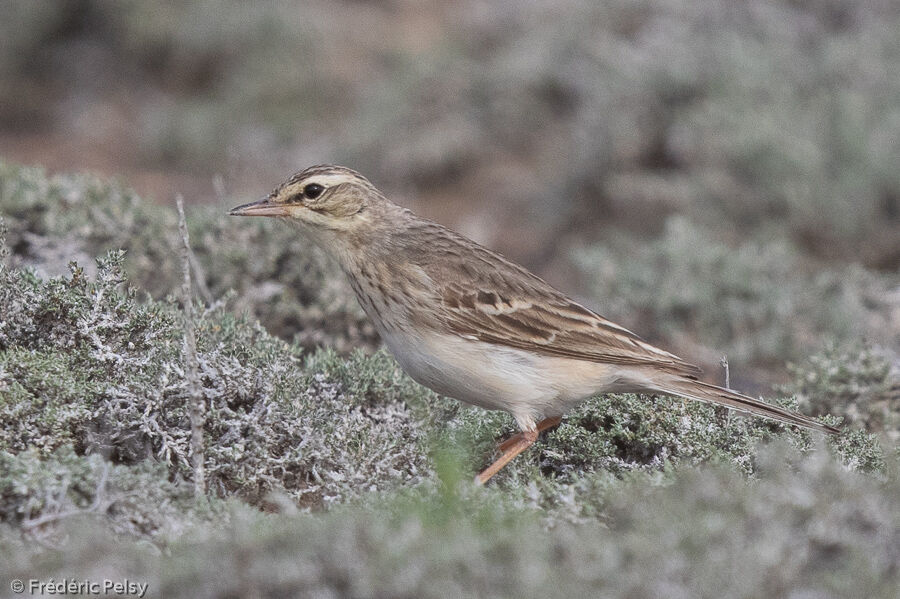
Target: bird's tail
x,y
693,389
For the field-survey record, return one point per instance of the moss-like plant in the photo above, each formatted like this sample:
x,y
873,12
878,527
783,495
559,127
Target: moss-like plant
x,y
759,302
857,382
94,466
271,272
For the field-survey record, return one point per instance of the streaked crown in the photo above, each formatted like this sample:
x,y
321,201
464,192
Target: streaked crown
x,y
323,196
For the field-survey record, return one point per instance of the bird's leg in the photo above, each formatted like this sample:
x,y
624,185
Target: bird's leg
x,y
527,440
514,446
541,427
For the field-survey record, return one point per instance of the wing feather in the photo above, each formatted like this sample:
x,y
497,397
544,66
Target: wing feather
x,y
482,295
543,320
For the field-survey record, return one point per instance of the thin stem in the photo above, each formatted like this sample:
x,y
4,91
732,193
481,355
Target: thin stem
x,y
192,369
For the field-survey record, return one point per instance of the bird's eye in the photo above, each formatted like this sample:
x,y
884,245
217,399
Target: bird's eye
x,y
312,191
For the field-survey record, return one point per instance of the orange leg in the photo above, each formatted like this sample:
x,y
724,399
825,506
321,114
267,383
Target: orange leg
x,y
541,427
526,440
514,446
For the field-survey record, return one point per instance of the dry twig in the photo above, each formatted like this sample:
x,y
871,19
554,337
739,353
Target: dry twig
x,y
192,370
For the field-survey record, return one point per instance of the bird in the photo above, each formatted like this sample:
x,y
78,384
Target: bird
x,y
472,325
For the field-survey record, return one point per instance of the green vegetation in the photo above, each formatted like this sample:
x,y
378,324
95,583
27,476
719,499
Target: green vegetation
x,y
85,366
857,383
804,525
777,114
759,302
722,176
368,473
257,267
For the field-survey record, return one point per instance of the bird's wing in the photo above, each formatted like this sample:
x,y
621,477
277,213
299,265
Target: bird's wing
x,y
514,308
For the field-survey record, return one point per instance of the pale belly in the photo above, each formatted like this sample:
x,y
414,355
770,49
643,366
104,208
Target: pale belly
x,y
529,386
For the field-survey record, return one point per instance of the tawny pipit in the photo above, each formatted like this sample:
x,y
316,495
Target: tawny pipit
x,y
468,323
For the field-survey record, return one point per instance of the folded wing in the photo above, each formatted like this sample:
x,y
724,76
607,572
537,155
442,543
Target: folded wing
x,y
528,314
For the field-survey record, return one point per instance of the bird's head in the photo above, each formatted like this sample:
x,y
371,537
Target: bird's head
x,y
322,199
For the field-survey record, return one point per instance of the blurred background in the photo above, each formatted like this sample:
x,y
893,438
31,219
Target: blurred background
x,y
722,177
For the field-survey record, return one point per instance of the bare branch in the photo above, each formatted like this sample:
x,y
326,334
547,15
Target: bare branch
x,y
192,370
724,363
98,506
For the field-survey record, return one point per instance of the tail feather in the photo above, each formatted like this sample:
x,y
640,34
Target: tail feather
x,y
693,389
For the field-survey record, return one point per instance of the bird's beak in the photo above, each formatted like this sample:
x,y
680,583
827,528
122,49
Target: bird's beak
x,y
263,207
